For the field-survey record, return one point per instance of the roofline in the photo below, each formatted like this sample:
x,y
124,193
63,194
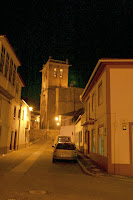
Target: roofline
x,y
23,84
11,47
25,102
100,61
57,62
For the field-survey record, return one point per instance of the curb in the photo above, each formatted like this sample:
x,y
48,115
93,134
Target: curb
x,y
84,168
117,177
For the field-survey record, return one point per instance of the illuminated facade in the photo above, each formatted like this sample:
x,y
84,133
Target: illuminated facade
x,y
56,96
108,118
10,98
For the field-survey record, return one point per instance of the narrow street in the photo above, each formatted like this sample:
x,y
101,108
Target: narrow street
x,y
29,174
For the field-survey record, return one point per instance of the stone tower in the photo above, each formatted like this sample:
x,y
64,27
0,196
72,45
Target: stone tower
x,y
54,75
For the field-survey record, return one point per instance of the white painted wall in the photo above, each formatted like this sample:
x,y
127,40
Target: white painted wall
x,y
99,114
121,95
68,131
78,128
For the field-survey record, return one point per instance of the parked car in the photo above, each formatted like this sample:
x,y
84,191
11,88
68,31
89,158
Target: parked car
x,y
62,138
65,151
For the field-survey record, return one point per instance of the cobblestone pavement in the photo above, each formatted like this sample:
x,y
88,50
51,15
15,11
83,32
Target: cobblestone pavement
x,y
92,169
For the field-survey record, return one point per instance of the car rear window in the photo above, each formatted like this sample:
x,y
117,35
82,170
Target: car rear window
x,y
64,139
65,146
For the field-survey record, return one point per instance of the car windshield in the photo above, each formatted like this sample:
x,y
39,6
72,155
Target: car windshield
x,y
64,139
65,146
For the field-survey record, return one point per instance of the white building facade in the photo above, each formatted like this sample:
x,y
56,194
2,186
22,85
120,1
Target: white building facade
x,y
108,118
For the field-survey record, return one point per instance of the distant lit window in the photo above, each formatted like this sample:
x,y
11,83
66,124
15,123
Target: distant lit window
x,y
93,101
61,73
14,112
93,141
55,72
101,140
100,94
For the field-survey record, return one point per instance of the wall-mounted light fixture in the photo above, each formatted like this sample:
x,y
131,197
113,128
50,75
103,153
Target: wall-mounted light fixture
x,y
124,125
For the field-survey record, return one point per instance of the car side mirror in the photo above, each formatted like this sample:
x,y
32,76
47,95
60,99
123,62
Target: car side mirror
x,y
53,146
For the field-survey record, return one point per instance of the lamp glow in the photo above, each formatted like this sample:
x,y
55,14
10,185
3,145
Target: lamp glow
x,y
56,118
30,109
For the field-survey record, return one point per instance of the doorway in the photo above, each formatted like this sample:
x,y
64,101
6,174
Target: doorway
x,y
15,140
11,140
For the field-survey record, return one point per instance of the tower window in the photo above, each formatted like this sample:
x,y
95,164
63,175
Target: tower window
x,y
55,72
61,73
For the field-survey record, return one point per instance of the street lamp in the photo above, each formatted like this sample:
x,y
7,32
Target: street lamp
x,y
30,108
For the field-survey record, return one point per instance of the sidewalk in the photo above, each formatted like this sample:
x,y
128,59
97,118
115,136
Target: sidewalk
x,y
92,169
89,166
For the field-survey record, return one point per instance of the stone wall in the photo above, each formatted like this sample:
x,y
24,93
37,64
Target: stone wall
x,y
36,134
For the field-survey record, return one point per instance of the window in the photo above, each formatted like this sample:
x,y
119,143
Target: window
x,y
80,136
93,141
101,140
2,58
10,70
61,73
66,146
7,65
55,72
14,74
87,110
93,101
86,131
19,114
100,94
1,66
14,112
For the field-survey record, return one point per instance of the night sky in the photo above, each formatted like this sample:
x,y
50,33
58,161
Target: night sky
x,y
81,30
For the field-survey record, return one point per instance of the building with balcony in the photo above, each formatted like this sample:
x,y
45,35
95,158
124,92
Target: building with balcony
x,y
10,98
108,118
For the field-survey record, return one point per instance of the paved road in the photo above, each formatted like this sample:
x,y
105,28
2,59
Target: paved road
x,y
29,174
